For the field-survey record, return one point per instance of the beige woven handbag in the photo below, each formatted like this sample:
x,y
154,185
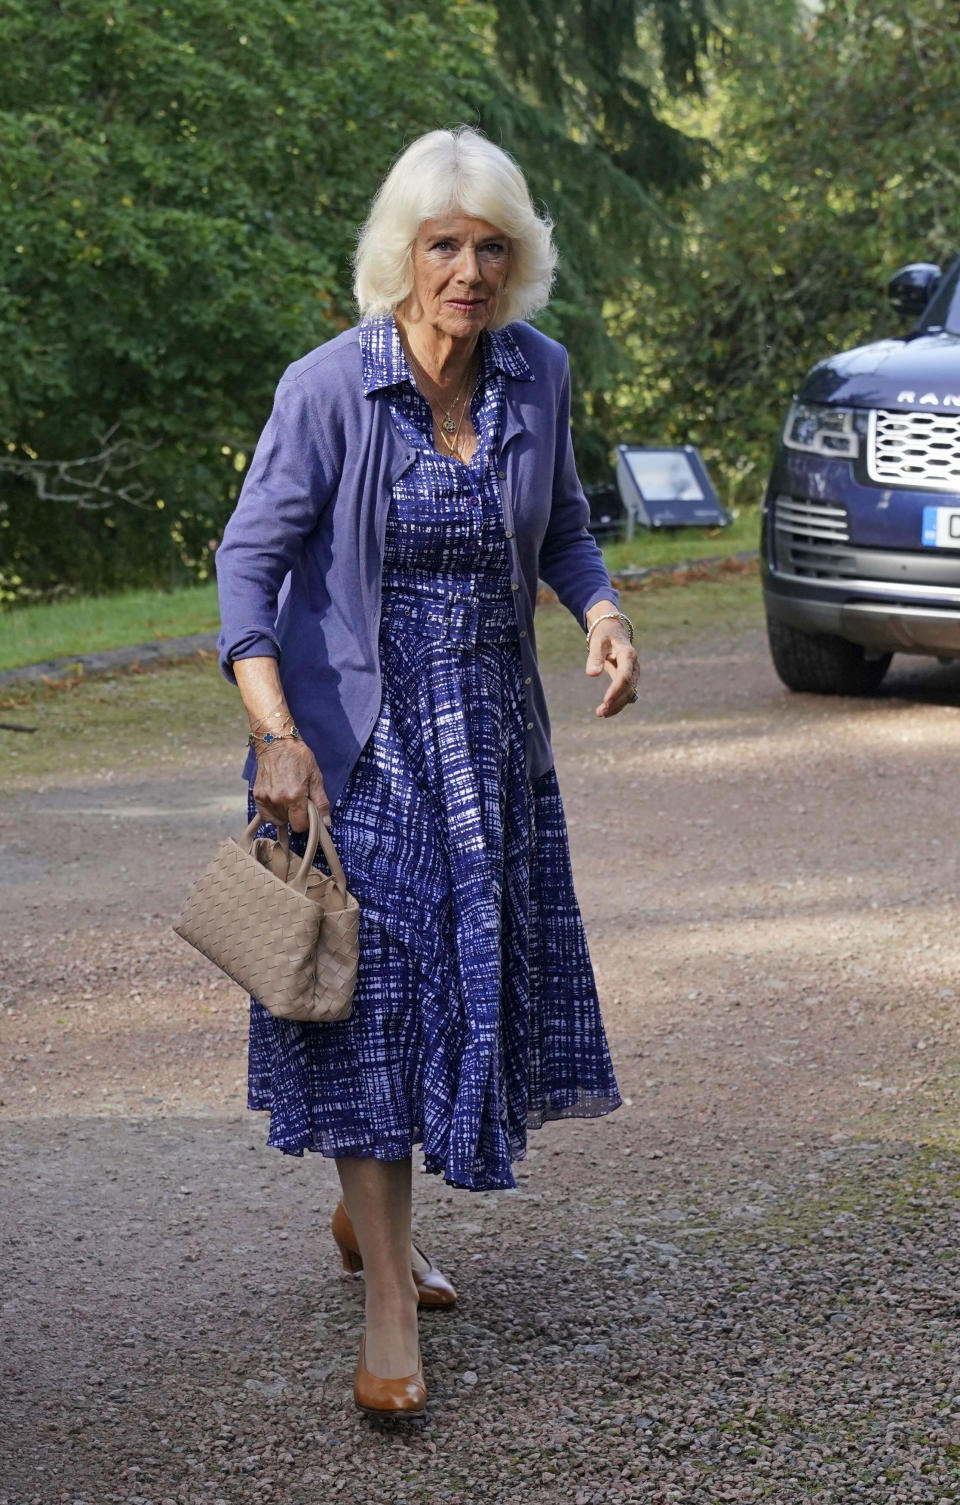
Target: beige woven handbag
x,y
290,941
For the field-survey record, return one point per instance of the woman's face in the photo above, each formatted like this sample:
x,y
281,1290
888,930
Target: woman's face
x,y
460,267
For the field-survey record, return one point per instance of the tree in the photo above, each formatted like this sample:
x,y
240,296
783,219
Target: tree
x,y
835,161
584,110
181,187
180,191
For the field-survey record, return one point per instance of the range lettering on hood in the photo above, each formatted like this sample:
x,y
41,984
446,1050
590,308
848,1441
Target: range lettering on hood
x,y
930,399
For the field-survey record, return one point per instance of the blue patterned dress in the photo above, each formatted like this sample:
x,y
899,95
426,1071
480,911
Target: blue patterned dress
x,y
475,1014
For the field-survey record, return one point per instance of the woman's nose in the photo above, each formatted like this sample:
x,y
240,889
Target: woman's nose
x,y
468,267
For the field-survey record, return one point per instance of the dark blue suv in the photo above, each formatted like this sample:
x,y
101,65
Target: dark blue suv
x,y
860,549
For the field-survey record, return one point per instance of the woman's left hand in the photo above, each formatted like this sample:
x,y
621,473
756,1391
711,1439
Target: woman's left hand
x,y
611,649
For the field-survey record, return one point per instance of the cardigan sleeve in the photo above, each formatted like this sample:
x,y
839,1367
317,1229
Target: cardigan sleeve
x,y
571,561
290,480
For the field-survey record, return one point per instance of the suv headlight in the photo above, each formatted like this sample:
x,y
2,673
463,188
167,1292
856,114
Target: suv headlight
x,y
821,429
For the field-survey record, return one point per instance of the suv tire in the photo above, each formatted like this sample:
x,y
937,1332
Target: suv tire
x,y
823,665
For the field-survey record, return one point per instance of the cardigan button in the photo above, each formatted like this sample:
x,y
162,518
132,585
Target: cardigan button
x,y
523,632
508,534
529,726
515,586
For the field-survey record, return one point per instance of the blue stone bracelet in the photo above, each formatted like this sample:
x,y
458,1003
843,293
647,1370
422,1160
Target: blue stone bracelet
x,y
269,737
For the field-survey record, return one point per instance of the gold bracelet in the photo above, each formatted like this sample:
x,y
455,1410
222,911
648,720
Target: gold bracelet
x,y
263,721
267,739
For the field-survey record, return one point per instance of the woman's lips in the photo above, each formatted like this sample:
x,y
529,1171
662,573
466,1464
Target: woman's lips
x,y
465,302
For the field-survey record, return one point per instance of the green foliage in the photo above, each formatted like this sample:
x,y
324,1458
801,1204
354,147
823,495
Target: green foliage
x,y
835,161
181,188
583,111
732,181
180,192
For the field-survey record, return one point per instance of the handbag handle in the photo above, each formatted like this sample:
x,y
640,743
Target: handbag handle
x,y
317,833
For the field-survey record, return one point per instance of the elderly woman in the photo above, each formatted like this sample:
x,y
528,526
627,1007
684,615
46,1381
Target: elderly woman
x,y
377,587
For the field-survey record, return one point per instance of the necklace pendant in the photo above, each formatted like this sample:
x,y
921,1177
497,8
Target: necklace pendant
x,y
449,426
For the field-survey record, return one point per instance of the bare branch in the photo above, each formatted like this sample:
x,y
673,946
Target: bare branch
x,y
92,483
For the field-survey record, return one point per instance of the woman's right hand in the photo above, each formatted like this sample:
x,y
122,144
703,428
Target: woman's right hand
x,y
288,780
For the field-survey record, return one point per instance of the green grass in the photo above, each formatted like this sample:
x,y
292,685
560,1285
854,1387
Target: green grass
x,y
88,624
153,719
674,545
665,616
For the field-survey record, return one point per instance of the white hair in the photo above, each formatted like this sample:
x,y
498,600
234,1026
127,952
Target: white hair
x,y
442,173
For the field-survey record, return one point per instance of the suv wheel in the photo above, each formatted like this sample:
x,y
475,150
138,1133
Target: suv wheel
x,y
823,665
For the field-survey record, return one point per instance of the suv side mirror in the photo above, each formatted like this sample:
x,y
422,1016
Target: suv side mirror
x,y
911,289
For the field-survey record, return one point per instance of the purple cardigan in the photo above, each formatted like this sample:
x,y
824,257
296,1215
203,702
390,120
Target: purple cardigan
x,y
299,567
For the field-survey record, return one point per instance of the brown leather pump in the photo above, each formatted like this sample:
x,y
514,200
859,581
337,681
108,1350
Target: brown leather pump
x,y
378,1396
433,1288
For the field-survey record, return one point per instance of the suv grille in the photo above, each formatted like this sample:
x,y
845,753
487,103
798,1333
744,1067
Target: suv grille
x,y
808,538
915,449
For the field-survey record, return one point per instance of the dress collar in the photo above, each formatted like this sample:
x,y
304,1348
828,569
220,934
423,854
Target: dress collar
x,y
385,365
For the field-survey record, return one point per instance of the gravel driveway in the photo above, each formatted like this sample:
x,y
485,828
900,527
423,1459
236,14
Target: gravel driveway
x,y
742,1286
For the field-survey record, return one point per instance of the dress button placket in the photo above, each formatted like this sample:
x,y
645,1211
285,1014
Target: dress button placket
x,y
514,585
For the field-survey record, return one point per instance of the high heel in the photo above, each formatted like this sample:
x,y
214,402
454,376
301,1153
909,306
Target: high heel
x,y
380,1396
433,1288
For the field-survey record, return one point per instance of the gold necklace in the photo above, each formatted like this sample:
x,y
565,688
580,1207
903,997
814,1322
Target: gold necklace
x,y
453,444
446,424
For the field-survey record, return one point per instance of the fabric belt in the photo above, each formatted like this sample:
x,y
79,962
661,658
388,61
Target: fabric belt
x,y
459,620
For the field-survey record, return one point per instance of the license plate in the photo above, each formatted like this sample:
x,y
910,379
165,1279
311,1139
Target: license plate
x,y
941,528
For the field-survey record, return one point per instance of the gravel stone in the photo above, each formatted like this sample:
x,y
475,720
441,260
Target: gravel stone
x,y
742,1286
